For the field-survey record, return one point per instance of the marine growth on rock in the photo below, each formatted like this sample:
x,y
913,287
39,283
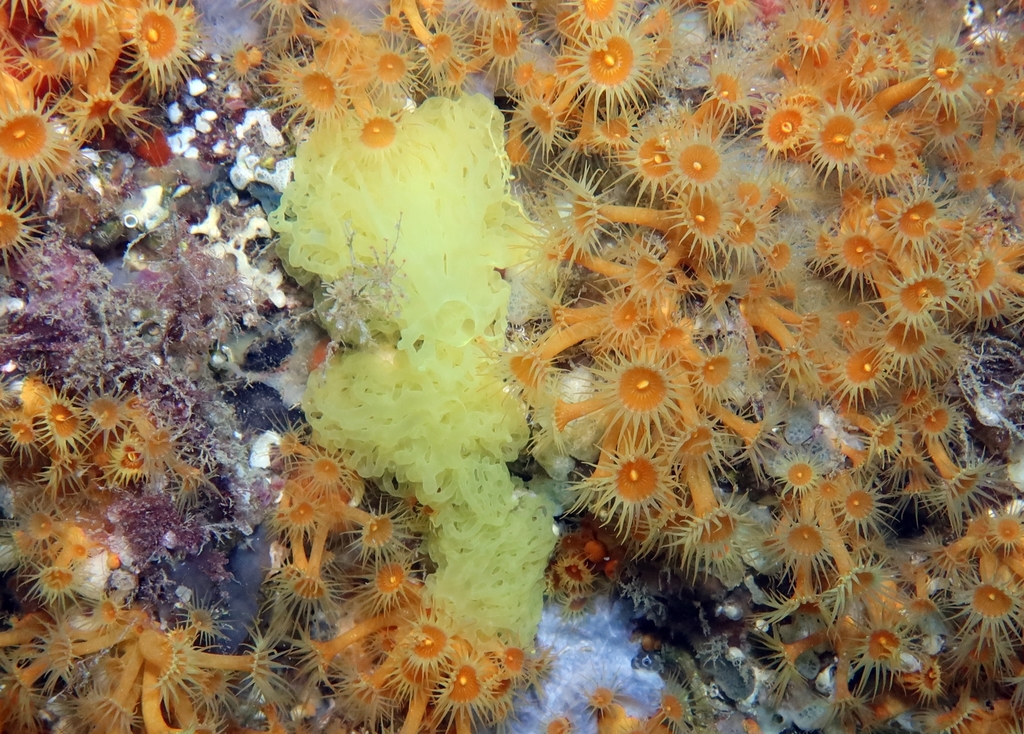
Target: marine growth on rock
x,y
449,366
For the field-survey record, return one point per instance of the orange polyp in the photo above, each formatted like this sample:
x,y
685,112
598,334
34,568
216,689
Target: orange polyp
x,y
779,256
40,526
390,578
859,504
859,252
805,540
672,708
526,75
728,86
800,475
642,389
812,38
160,34
129,462
543,117
625,318
465,685
16,231
162,37
54,582
848,320
74,547
440,48
378,532
783,129
883,645
31,148
744,233
601,699
90,9
699,164
613,64
916,221
301,516
430,643
991,602
326,471
943,61
529,369
748,193
638,480
716,371
505,41
835,148
882,160
936,421
318,91
63,422
574,573
24,139
561,725
922,294
862,367
391,68
245,59
598,11
705,216
77,41
614,133
378,133
720,530
1009,532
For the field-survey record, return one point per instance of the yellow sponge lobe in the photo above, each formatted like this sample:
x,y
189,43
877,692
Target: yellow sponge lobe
x,y
430,409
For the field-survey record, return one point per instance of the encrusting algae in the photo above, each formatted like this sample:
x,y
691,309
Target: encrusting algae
x,y
729,328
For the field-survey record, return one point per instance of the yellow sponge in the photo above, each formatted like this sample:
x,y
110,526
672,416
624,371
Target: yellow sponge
x,y
430,409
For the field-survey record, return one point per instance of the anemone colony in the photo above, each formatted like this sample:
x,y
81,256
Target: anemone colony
x,y
830,231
